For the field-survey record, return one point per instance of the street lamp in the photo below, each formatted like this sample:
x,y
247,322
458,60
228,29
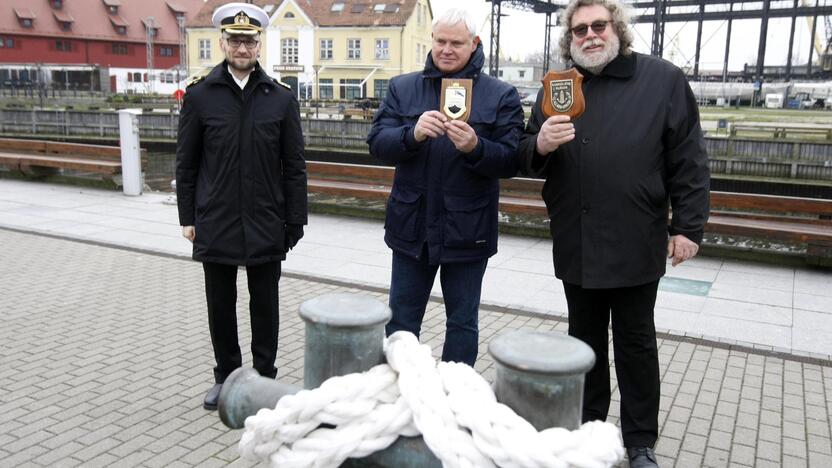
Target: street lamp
x,y
317,68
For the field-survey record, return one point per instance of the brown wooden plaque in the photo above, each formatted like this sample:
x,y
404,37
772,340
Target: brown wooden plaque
x,y
455,101
562,94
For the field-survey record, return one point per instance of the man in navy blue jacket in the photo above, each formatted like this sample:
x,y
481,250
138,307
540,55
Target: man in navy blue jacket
x,y
442,210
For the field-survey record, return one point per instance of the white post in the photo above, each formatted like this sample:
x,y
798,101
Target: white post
x,y
131,163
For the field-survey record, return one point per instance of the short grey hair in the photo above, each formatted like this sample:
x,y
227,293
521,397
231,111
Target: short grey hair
x,y
620,14
456,15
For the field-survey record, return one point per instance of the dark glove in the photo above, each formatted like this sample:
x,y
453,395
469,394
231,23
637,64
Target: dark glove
x,y
293,234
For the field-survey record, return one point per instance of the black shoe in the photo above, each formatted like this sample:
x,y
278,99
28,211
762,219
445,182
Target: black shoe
x,y
212,397
642,457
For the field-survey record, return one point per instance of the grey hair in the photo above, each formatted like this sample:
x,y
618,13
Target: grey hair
x,y
620,14
454,16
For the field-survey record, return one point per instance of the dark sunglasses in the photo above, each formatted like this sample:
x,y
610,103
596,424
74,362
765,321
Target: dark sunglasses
x,y
598,27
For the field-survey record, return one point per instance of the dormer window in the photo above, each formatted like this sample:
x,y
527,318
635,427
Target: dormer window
x,y
26,17
150,27
289,15
337,7
121,30
57,4
379,7
112,6
64,20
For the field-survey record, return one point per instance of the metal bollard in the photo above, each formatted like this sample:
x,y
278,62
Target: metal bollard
x,y
344,334
541,376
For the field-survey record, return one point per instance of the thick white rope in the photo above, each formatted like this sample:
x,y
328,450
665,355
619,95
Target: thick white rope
x,y
451,405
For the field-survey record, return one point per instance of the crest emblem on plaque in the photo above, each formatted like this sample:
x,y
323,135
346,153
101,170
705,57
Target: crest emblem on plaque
x,y
456,98
562,94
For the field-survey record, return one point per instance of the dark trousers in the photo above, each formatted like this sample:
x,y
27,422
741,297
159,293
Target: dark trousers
x,y
636,355
221,293
410,286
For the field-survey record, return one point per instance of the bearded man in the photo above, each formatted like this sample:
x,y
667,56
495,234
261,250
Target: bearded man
x,y
241,188
611,176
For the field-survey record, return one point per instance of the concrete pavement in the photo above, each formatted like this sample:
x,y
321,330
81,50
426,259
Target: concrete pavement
x,y
106,355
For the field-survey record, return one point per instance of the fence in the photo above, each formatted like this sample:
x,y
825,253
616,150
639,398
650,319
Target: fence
x,y
798,160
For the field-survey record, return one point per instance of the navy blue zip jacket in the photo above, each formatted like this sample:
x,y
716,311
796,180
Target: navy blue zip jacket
x,y
441,196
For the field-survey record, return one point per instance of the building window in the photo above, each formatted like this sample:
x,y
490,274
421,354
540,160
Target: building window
x,y
351,89
205,49
66,25
9,43
382,49
121,30
289,50
500,73
354,49
379,7
113,9
26,22
166,51
119,49
337,7
521,73
57,4
325,91
63,46
326,49
380,88
289,15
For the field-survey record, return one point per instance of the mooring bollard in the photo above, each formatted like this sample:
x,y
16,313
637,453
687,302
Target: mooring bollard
x,y
344,334
541,376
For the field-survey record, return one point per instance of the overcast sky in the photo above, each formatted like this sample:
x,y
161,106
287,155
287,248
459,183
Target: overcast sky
x,y
523,32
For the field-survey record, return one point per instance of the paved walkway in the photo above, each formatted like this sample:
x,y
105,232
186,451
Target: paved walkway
x,y
106,355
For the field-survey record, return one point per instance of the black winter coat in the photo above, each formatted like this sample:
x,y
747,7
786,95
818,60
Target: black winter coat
x,y
638,149
440,196
240,172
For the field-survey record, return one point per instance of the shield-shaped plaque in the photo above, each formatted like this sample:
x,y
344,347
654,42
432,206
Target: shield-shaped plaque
x,y
456,98
562,93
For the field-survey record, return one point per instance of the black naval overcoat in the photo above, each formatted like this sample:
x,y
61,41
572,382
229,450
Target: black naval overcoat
x,y
240,171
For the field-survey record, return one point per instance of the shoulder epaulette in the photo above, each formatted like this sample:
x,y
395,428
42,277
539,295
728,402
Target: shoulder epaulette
x,y
282,84
194,80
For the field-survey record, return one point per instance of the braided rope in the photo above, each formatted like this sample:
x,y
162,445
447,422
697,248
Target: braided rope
x,y
451,405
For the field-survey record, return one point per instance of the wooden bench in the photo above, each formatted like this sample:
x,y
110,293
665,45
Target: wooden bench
x,y
36,158
366,114
775,218
781,131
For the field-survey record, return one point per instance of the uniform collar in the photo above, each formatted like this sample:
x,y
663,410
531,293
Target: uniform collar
x,y
622,66
220,74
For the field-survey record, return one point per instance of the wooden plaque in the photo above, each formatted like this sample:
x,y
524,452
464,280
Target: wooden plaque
x,y
562,94
455,100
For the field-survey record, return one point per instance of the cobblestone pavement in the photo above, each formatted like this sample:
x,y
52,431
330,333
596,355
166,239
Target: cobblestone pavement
x,y
105,357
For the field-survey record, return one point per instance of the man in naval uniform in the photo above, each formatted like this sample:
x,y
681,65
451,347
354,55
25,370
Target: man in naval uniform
x,y
241,188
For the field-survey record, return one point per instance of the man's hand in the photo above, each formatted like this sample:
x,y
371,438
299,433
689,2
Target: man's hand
x,y
189,232
556,130
680,248
294,232
430,124
461,135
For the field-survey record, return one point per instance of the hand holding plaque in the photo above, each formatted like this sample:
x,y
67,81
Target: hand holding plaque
x,y
562,94
455,100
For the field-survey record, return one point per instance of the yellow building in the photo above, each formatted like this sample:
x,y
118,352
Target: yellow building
x,y
332,49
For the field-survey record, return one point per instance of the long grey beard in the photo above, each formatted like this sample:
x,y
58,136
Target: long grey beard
x,y
596,63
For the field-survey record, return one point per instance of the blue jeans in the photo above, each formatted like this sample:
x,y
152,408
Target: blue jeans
x,y
410,287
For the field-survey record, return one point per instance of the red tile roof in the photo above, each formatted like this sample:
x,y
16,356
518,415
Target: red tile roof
x,y
353,13
91,19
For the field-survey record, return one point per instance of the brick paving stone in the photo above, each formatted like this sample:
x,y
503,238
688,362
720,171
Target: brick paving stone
x,y
118,379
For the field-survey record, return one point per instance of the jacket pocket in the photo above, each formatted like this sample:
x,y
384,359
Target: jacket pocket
x,y
403,208
467,220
